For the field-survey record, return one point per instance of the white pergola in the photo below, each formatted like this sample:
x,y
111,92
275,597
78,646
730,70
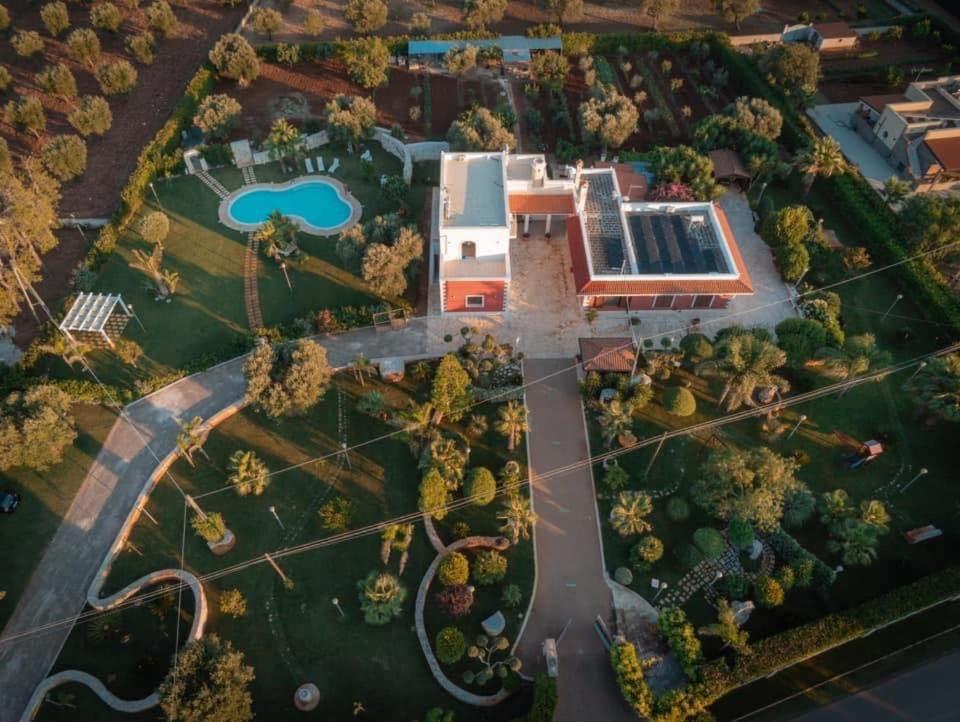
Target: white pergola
x,y
94,317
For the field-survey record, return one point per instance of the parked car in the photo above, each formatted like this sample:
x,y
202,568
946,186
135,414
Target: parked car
x,y
9,500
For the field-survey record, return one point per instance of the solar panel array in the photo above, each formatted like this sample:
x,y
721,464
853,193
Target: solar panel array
x,y
675,243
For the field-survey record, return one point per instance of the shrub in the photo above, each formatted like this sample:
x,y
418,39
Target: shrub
x,y
210,528
313,22
696,348
4,17
709,541
455,601
233,603
678,509
615,478
92,116
768,592
65,157
786,577
512,596
451,645
58,80
622,575
645,553
106,16
142,47
288,54
682,639
366,16
84,45
235,58
266,21
489,567
336,514
55,17
26,114
481,486
27,43
160,18
740,533
117,78
679,401
217,114
5,79
6,164
733,586
454,570
420,23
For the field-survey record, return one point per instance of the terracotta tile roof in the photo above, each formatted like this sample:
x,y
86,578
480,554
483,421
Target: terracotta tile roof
x,y
727,165
835,30
946,151
578,256
552,203
607,354
879,102
633,185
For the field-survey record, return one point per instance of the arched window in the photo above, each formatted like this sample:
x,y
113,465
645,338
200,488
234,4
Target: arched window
x,y
468,249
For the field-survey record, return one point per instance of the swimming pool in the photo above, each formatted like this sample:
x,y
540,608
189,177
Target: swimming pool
x,y
322,206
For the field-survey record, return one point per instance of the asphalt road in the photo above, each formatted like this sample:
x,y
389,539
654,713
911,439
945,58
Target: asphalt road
x,y
927,693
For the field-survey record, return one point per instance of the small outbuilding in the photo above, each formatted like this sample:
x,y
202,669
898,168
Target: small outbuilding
x,y
728,167
96,319
608,354
834,36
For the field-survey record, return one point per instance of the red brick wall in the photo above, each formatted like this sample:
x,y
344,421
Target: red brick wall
x,y
493,293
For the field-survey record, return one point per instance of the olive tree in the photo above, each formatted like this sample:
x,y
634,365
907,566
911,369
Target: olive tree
x,y
58,80
217,114
35,428
106,16
366,61
55,17
142,47
27,43
117,78
208,683
610,118
313,24
384,266
27,114
479,129
756,115
154,227
266,21
549,69
235,58
565,11
366,16
65,157
161,18
289,378
477,14
736,11
91,116
350,117
84,45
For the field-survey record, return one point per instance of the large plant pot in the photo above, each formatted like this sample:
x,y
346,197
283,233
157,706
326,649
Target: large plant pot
x,y
228,542
626,440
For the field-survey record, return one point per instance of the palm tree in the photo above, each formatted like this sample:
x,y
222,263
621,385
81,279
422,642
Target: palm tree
x,y
448,458
822,158
512,422
628,515
381,597
417,427
278,235
361,367
857,356
726,629
615,419
874,513
191,438
746,363
517,518
936,387
284,141
248,473
164,281
60,345
857,542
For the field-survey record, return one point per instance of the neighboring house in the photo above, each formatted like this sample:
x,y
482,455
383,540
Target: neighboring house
x,y
918,131
626,253
514,50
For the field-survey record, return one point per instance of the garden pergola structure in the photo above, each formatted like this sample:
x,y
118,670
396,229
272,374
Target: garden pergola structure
x,y
96,319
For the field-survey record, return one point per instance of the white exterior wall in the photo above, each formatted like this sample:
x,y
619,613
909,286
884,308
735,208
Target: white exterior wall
x,y
893,124
490,241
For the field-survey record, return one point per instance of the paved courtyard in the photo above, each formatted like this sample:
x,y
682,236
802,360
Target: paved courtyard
x,y
543,313
834,120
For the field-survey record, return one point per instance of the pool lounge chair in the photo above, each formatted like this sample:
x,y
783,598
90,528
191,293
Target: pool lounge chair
x,y
320,166
309,164
334,165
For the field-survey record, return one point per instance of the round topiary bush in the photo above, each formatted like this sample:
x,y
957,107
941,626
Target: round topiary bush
x,y
734,586
450,645
740,533
481,486
455,601
696,348
645,552
489,567
768,592
623,576
678,509
709,541
679,401
454,569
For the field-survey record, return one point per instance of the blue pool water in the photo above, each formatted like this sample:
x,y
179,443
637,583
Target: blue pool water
x,y
315,202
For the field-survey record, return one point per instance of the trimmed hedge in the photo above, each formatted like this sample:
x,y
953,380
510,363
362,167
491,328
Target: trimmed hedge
x,y
788,549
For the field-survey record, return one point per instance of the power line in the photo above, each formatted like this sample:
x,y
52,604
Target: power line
x,y
466,501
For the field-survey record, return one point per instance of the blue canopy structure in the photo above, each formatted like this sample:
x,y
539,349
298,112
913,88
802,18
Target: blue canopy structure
x,y
516,48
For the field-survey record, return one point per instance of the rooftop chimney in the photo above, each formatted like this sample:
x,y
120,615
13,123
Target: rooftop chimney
x,y
538,172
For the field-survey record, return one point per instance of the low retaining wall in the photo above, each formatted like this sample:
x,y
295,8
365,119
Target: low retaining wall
x,y
477,700
411,153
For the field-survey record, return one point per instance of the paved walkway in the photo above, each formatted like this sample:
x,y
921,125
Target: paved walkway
x,y
571,584
58,588
835,119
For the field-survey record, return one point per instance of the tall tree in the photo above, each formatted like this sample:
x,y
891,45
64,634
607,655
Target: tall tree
x,y
367,61
36,428
550,69
795,67
284,141
566,11
288,378
736,11
478,14
727,630
609,118
745,363
930,222
615,419
748,485
191,438
511,422
628,517
248,473
823,157
450,394
479,129
209,683
517,518
855,357
658,10
165,281
936,388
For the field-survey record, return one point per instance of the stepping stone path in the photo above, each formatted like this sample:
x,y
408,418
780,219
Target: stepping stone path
x,y
702,575
249,177
251,292
213,184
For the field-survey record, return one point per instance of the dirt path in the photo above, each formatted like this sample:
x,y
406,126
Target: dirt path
x,y
571,583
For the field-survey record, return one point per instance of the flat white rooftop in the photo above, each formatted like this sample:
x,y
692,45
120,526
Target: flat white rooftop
x,y
471,187
486,267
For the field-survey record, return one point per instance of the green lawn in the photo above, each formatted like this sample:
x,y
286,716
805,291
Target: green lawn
x,y
46,497
879,410
298,635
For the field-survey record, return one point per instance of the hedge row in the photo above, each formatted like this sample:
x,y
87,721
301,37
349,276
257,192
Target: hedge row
x,y
790,551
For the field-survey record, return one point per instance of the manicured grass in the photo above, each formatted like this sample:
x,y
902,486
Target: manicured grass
x,y
46,497
292,636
